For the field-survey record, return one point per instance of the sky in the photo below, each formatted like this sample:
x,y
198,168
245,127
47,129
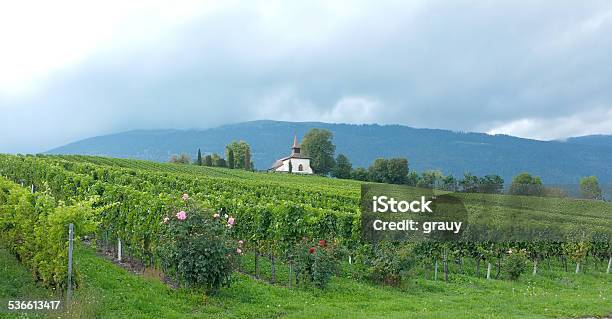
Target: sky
x,y
76,69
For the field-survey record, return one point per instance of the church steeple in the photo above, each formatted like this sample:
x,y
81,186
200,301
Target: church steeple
x,y
295,149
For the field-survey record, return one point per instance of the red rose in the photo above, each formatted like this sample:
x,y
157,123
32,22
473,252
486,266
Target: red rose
x,y
322,243
311,250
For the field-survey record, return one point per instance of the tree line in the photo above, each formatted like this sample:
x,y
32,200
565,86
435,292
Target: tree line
x,y
317,144
237,156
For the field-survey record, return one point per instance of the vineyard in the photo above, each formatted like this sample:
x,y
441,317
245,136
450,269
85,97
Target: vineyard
x,y
296,232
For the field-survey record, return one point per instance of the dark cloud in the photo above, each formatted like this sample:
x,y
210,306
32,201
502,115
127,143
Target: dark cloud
x,y
537,70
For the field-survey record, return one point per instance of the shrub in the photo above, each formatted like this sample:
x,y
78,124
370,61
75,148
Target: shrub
x,y
315,261
516,263
196,248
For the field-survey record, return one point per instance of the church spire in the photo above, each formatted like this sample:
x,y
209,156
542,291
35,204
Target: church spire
x,y
295,149
295,142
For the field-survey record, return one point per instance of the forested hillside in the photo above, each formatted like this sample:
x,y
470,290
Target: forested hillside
x,y
452,152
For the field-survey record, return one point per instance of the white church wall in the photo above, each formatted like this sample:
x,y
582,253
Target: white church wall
x,y
295,163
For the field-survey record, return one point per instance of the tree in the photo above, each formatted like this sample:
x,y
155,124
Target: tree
x,y
208,160
217,161
589,188
242,154
180,159
391,171
318,146
230,157
360,174
449,183
343,167
247,159
413,179
469,183
378,170
431,179
525,184
491,184
397,170
199,160
290,167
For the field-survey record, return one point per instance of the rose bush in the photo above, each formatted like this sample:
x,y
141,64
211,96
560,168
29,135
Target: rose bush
x,y
315,261
196,248
515,263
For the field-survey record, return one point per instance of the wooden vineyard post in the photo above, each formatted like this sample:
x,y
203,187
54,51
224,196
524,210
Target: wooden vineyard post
x,y
489,270
70,248
445,267
609,265
119,249
577,267
436,270
290,272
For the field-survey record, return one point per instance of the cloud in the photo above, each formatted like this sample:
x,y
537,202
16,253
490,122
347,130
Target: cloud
x,y
286,104
579,124
539,70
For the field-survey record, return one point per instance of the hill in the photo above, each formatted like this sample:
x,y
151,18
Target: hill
x,y
556,162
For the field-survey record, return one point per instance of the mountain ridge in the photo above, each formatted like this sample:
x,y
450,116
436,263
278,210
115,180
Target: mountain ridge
x,y
450,151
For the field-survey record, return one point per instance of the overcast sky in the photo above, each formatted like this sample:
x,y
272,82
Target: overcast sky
x,y
75,69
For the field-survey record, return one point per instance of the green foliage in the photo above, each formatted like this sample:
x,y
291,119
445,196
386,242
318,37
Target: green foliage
x,y
392,171
576,251
196,248
431,179
343,167
589,188
242,154
231,163
469,183
208,161
360,174
525,184
217,161
318,146
412,179
315,262
515,263
491,184
199,160
35,228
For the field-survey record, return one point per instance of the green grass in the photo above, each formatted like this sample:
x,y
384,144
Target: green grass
x,y
16,283
109,291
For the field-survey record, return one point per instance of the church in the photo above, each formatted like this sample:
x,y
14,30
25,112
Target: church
x,y
294,163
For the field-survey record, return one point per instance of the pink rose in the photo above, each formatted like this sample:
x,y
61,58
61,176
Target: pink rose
x,y
238,250
185,197
230,221
181,215
240,242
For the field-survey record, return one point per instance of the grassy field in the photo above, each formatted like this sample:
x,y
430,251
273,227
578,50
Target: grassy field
x,y
16,283
110,291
